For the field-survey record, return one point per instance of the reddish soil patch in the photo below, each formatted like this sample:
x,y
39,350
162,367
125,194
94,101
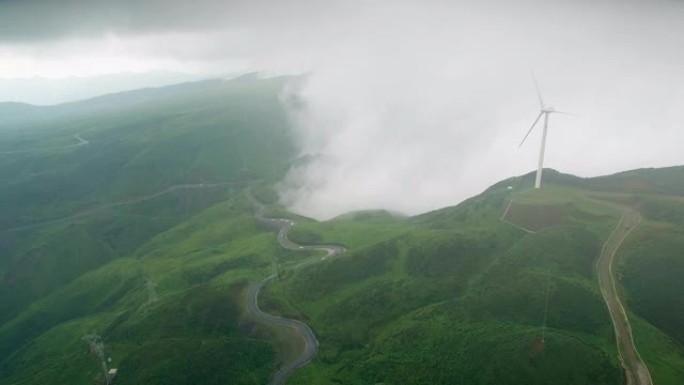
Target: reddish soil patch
x,y
536,217
537,346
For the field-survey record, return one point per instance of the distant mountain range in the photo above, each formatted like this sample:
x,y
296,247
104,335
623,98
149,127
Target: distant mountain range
x,y
44,91
17,115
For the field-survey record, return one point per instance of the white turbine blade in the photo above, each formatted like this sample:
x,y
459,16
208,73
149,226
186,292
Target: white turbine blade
x,y
536,86
530,130
566,113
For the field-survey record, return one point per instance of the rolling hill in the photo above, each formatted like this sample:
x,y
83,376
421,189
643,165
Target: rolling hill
x,y
499,289
85,227
125,217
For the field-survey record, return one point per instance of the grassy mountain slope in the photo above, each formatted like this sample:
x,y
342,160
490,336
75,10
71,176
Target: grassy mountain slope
x,y
456,296
651,267
143,236
171,303
240,134
99,237
460,296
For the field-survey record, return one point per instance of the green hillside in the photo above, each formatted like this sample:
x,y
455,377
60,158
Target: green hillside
x,y
141,236
465,294
457,296
125,217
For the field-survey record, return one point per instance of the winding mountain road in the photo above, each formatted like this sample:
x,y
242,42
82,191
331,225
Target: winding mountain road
x,y
299,329
636,371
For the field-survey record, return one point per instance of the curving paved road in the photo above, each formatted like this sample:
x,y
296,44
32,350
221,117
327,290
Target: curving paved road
x,y
300,329
636,371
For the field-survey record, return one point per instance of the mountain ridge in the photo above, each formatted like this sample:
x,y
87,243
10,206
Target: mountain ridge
x,y
498,289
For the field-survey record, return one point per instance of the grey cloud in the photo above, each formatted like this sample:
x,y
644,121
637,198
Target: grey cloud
x,y
39,20
46,20
415,105
429,110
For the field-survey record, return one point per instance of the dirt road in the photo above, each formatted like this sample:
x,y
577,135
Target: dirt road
x,y
636,371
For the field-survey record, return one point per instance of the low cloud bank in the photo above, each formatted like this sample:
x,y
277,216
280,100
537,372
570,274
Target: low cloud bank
x,y
426,107
409,105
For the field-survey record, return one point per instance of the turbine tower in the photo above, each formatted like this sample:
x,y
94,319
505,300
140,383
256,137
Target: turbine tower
x,y
546,111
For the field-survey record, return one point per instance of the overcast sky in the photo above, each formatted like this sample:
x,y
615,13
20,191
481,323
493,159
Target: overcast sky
x,y
411,105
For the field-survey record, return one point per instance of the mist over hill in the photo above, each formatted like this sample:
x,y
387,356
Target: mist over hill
x,y
444,86
326,193
125,216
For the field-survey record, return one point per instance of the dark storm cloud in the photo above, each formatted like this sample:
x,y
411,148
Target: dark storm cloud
x,y
39,20
23,21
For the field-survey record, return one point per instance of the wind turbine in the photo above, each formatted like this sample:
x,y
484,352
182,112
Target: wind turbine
x,y
546,111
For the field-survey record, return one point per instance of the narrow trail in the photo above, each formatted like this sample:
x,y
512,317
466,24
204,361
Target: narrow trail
x,y
299,329
546,308
636,371
124,202
96,209
79,142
